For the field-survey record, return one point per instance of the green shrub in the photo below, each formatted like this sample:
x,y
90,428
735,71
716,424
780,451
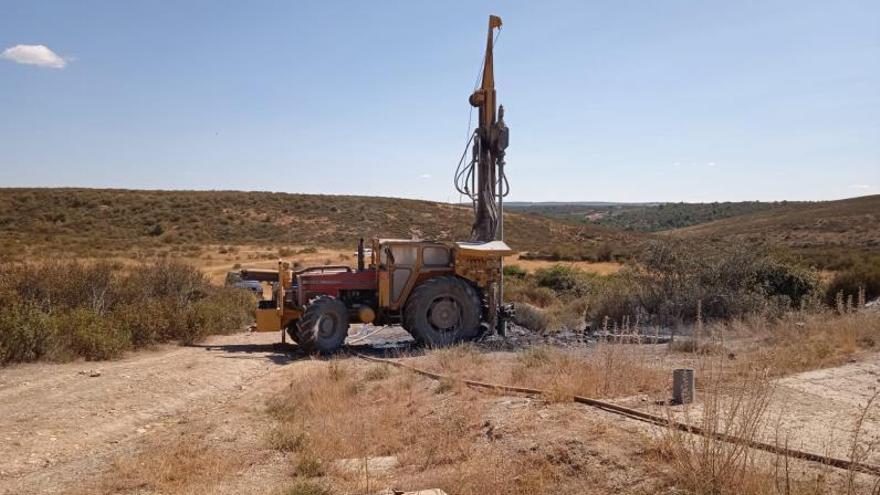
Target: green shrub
x,y
863,275
61,310
147,322
91,335
223,310
26,334
514,271
564,280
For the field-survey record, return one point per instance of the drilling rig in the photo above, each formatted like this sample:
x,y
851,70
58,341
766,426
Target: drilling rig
x,y
482,179
439,292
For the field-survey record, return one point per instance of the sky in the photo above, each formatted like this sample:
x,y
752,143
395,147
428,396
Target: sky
x,y
606,101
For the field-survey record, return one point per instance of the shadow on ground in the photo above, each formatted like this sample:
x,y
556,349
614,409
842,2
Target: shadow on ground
x,y
277,352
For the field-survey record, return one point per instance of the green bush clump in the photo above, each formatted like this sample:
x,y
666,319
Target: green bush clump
x,y
864,275
88,334
59,311
564,280
26,334
515,271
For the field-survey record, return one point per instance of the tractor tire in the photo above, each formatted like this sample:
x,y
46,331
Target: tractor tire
x,y
323,326
293,332
442,311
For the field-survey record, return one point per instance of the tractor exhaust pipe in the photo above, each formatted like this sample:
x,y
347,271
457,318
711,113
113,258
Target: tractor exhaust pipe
x,y
361,254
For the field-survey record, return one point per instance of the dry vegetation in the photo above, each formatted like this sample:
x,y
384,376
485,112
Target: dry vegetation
x,y
338,415
440,434
830,234
647,217
101,222
65,310
670,284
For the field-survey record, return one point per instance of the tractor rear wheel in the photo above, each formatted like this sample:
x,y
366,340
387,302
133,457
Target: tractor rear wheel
x,y
323,326
293,332
442,311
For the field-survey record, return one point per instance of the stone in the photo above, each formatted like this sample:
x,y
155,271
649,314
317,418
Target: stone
x,y
373,464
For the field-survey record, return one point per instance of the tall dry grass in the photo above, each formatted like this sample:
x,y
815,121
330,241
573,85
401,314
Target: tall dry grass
x,y
798,341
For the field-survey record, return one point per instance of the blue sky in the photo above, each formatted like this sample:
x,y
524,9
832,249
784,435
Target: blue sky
x,y
611,101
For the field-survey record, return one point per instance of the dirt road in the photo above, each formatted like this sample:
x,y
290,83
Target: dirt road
x,y
59,424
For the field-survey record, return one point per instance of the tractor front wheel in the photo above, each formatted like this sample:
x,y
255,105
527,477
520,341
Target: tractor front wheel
x,y
442,311
323,326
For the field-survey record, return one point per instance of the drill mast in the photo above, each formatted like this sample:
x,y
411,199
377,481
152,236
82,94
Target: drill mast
x,y
485,182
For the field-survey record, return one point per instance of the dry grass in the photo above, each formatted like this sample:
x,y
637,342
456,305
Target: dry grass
x,y
706,465
442,433
335,410
593,267
188,466
446,435
606,371
798,342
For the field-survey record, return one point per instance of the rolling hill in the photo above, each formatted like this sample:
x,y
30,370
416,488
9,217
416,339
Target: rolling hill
x,y
99,221
822,230
644,217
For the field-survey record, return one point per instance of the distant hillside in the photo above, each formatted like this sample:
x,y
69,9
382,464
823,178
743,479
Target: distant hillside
x,y
824,231
644,217
95,221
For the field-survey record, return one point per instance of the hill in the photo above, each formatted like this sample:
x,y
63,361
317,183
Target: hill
x,y
644,217
100,221
828,232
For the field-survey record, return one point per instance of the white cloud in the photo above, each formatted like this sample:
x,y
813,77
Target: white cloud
x,y
34,55
425,176
861,186
711,164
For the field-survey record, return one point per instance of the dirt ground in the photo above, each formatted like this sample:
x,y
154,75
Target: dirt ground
x,y
90,427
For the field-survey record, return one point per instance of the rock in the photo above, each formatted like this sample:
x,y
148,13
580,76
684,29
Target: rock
x,y
91,373
373,464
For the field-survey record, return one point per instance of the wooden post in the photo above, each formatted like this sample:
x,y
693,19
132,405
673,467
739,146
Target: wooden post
x,y
683,391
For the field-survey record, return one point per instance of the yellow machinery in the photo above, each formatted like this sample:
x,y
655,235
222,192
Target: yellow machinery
x,y
439,292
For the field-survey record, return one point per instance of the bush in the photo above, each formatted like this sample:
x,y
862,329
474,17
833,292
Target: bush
x,y
863,275
530,317
147,322
97,311
90,335
26,334
674,279
563,279
528,293
514,271
223,310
